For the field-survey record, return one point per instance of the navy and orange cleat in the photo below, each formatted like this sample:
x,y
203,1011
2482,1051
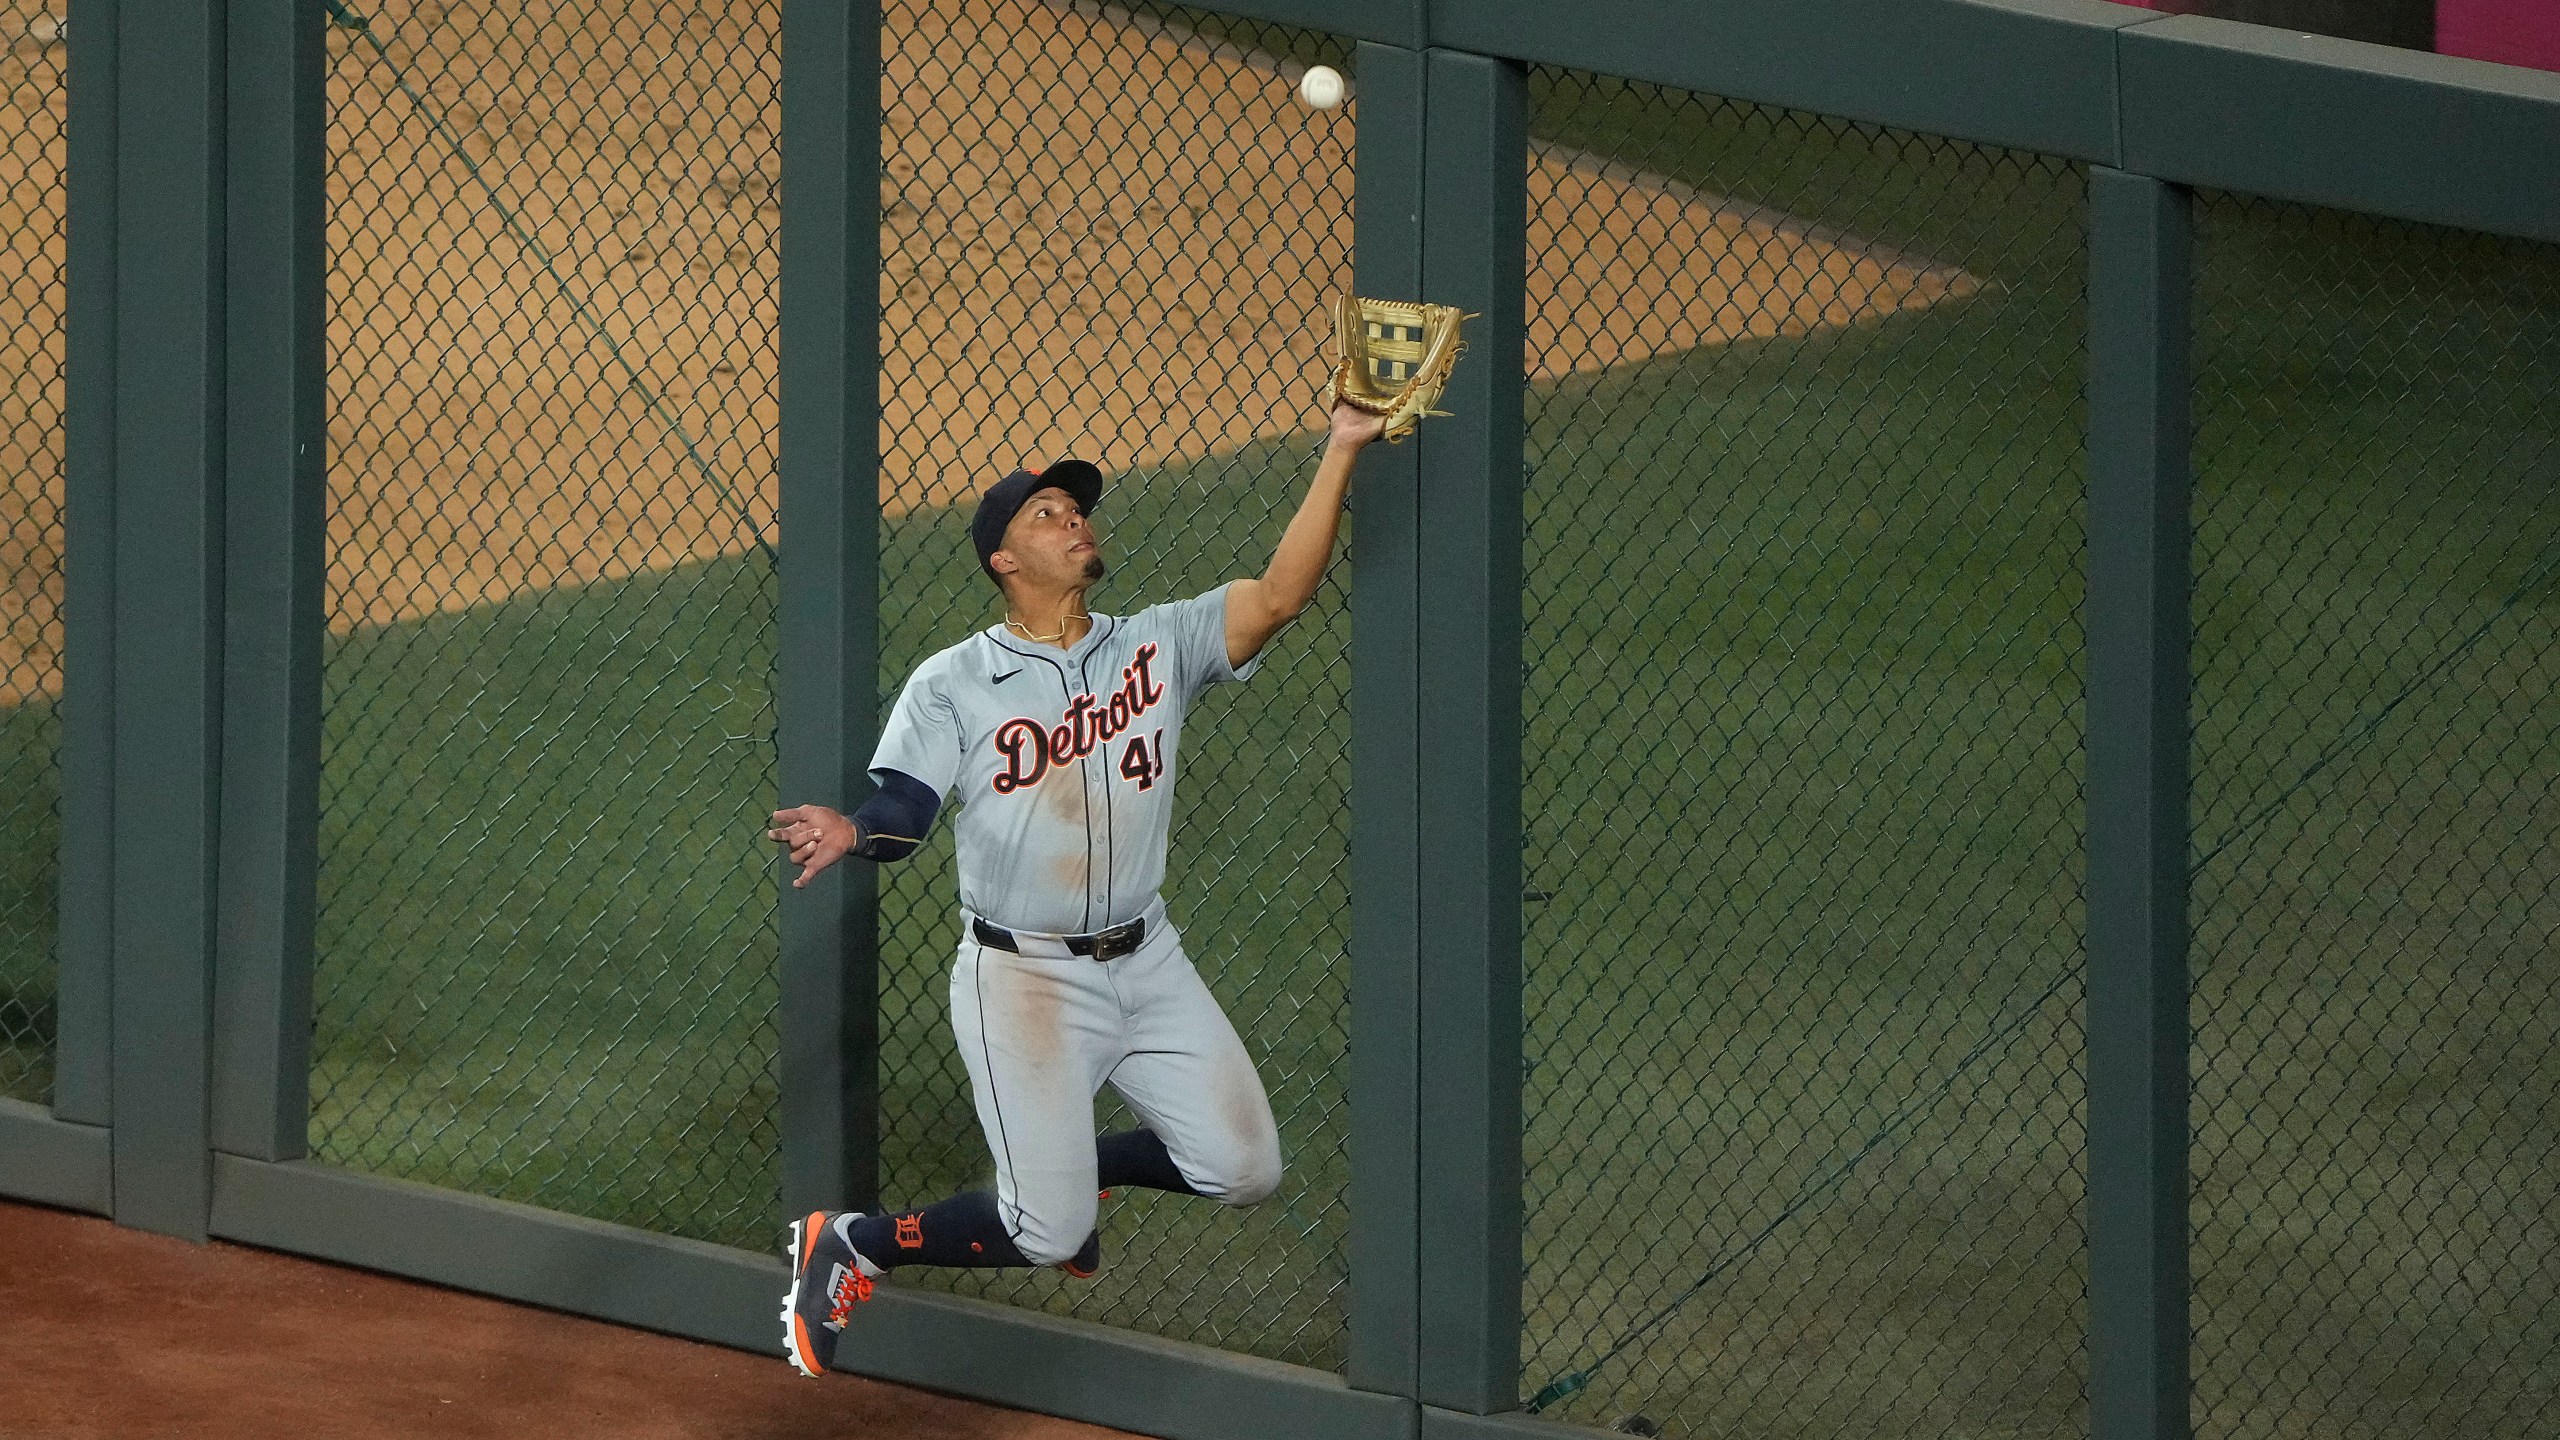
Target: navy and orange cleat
x,y
1087,1261
827,1281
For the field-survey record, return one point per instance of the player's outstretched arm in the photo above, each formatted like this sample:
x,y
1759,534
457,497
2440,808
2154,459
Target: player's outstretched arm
x,y
817,837
1256,609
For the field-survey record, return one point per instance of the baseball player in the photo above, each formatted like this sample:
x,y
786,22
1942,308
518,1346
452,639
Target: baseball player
x,y
1059,734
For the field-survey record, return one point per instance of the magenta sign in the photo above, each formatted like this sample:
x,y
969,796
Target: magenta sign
x,y
2511,32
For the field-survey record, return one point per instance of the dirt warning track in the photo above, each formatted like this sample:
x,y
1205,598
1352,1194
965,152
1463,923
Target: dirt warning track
x,y
554,279
114,1333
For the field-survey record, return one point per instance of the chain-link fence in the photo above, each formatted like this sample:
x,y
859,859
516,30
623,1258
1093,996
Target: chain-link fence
x,y
1802,734
546,935
32,98
2376,893
1078,202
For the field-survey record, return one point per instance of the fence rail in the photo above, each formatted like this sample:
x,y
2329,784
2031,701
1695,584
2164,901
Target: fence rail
x,y
1934,816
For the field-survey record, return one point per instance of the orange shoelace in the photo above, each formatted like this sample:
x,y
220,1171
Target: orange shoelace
x,y
851,1290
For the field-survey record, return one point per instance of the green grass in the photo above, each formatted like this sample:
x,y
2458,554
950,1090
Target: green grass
x,y
1802,733
2378,773
546,930
30,840
1833,706
1802,742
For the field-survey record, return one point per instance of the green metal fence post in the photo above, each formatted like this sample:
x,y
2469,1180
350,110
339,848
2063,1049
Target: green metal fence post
x,y
276,440
168,625
2137,806
827,651
84,937
1386,795
1474,228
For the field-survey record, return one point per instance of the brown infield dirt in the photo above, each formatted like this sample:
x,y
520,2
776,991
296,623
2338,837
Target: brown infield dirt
x,y
1069,268
114,1334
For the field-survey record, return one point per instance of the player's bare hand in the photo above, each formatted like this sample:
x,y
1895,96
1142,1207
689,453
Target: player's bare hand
x,y
1354,427
814,836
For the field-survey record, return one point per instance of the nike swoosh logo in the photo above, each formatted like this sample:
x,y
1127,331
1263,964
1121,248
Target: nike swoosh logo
x,y
1009,674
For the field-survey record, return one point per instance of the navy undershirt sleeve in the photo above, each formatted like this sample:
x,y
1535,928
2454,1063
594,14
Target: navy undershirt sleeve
x,y
896,818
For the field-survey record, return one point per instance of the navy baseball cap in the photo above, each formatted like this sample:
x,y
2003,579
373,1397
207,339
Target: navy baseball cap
x,y
1005,498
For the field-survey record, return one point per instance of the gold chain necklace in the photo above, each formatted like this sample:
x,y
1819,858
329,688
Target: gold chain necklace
x,y
1064,622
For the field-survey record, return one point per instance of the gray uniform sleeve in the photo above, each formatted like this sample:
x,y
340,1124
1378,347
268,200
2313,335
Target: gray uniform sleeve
x,y
923,737
1196,631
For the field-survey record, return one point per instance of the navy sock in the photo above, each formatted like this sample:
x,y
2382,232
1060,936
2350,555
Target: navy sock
x,y
966,1231
963,1231
1137,1157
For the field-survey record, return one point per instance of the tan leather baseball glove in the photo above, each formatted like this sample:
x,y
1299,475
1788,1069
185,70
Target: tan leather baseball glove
x,y
1393,358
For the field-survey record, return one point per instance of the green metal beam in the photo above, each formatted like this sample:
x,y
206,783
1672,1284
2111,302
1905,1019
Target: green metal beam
x,y
2034,74
50,1161
826,656
1474,254
169,411
731,1297
2137,626
1438,1424
1389,22
2268,112
2199,101
1386,765
276,438
1111,1377
84,936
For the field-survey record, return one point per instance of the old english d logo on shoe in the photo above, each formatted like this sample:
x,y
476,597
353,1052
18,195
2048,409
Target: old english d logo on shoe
x,y
910,1232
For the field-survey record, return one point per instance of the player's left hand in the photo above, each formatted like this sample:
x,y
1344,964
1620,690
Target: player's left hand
x,y
1353,427
815,836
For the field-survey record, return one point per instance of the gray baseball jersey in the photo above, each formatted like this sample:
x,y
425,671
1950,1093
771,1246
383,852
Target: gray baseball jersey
x,y
1063,762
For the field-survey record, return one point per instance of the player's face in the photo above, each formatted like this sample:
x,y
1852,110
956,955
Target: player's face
x,y
1052,543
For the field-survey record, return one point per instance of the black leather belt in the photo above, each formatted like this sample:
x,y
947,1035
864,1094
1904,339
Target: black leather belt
x,y
1108,944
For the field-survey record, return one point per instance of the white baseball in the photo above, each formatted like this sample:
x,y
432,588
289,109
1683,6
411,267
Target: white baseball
x,y
1321,87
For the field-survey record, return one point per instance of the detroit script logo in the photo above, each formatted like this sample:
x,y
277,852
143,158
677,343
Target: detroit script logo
x,y
1030,748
